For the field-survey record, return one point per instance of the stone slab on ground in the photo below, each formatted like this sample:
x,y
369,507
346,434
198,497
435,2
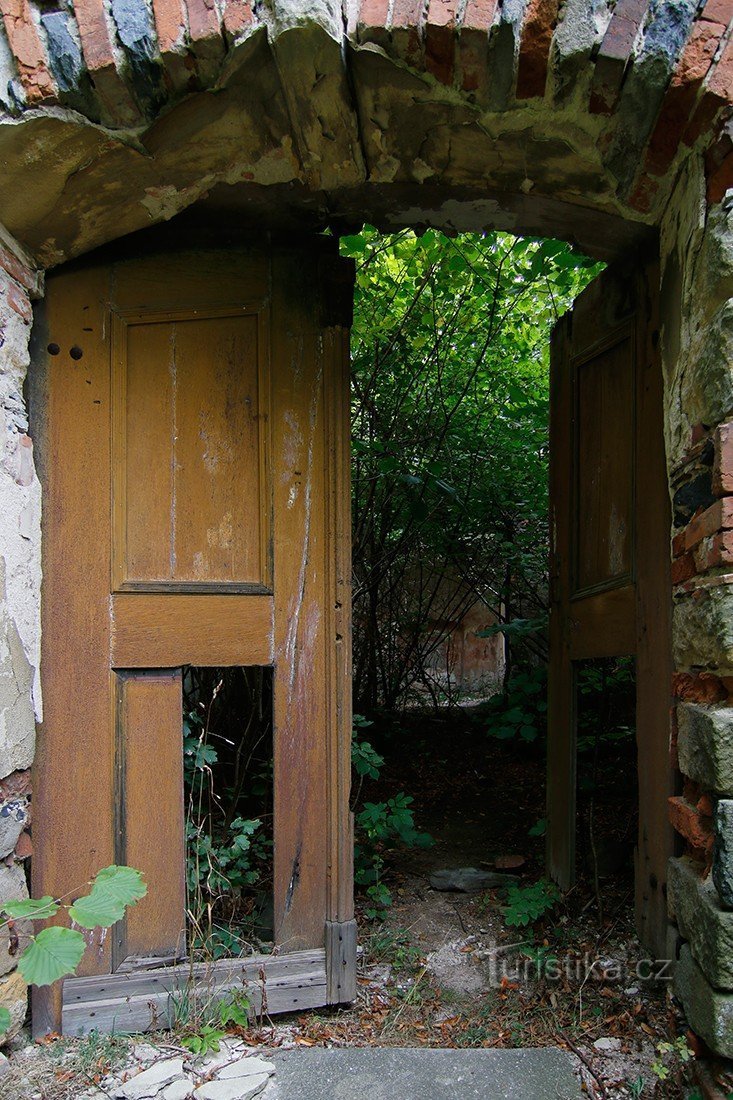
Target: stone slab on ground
x,y
387,1073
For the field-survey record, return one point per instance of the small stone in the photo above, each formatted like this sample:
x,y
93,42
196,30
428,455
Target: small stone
x,y
723,852
468,880
13,819
177,1090
151,1081
14,997
607,1044
240,1088
3,1064
245,1067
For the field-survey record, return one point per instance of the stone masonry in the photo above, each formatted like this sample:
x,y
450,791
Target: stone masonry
x,y
597,121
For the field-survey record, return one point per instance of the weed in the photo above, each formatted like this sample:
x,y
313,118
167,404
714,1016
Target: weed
x,y
526,904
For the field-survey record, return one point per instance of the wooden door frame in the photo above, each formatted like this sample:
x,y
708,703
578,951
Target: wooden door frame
x,y
647,603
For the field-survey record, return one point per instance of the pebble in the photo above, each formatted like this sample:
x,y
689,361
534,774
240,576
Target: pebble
x,y
239,1088
606,1044
245,1067
149,1083
234,1072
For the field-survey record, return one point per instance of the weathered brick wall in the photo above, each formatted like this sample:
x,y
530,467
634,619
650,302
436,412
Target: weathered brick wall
x,y
19,603
697,336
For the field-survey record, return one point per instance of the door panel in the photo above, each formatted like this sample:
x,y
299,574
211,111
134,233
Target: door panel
x,y
189,466
609,564
195,512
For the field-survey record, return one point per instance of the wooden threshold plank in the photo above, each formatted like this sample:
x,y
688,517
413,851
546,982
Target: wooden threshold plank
x,y
126,1002
167,630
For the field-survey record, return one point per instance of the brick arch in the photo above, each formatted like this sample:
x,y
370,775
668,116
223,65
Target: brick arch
x,y
118,114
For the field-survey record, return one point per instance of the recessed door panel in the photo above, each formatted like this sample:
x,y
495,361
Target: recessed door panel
x,y
604,467
190,452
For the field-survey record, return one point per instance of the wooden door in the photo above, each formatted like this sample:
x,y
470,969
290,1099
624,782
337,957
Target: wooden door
x,y
609,565
194,409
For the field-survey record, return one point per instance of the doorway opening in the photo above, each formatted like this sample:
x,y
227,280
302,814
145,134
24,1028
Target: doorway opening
x,y
450,414
228,804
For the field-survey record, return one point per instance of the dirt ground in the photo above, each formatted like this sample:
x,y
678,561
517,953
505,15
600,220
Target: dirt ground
x,y
445,968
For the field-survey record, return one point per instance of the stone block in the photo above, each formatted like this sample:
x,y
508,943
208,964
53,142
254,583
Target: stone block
x,y
723,851
14,997
709,1012
705,745
702,628
13,819
695,905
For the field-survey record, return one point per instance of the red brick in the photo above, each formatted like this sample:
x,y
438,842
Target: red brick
x,y
372,22
237,16
29,51
716,94
704,688
440,39
705,806
473,45
683,569
406,31
688,822
534,47
24,847
19,302
170,24
681,95
203,21
678,544
111,90
614,53
717,11
723,460
717,517
15,785
17,270
714,551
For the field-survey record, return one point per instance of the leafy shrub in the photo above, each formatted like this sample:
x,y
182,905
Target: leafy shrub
x,y
522,711
526,904
57,951
377,824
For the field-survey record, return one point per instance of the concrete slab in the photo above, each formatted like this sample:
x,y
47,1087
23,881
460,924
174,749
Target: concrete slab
x,y
389,1073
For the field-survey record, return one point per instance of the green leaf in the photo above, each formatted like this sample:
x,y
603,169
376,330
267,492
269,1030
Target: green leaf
x,y
54,953
113,890
5,1020
35,908
539,828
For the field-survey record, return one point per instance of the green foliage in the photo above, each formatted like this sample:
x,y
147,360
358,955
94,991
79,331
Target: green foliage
x,y
52,954
526,904
668,1055
364,759
450,441
31,908
521,712
113,890
539,828
205,1035
227,772
395,947
57,951
377,825
205,1040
